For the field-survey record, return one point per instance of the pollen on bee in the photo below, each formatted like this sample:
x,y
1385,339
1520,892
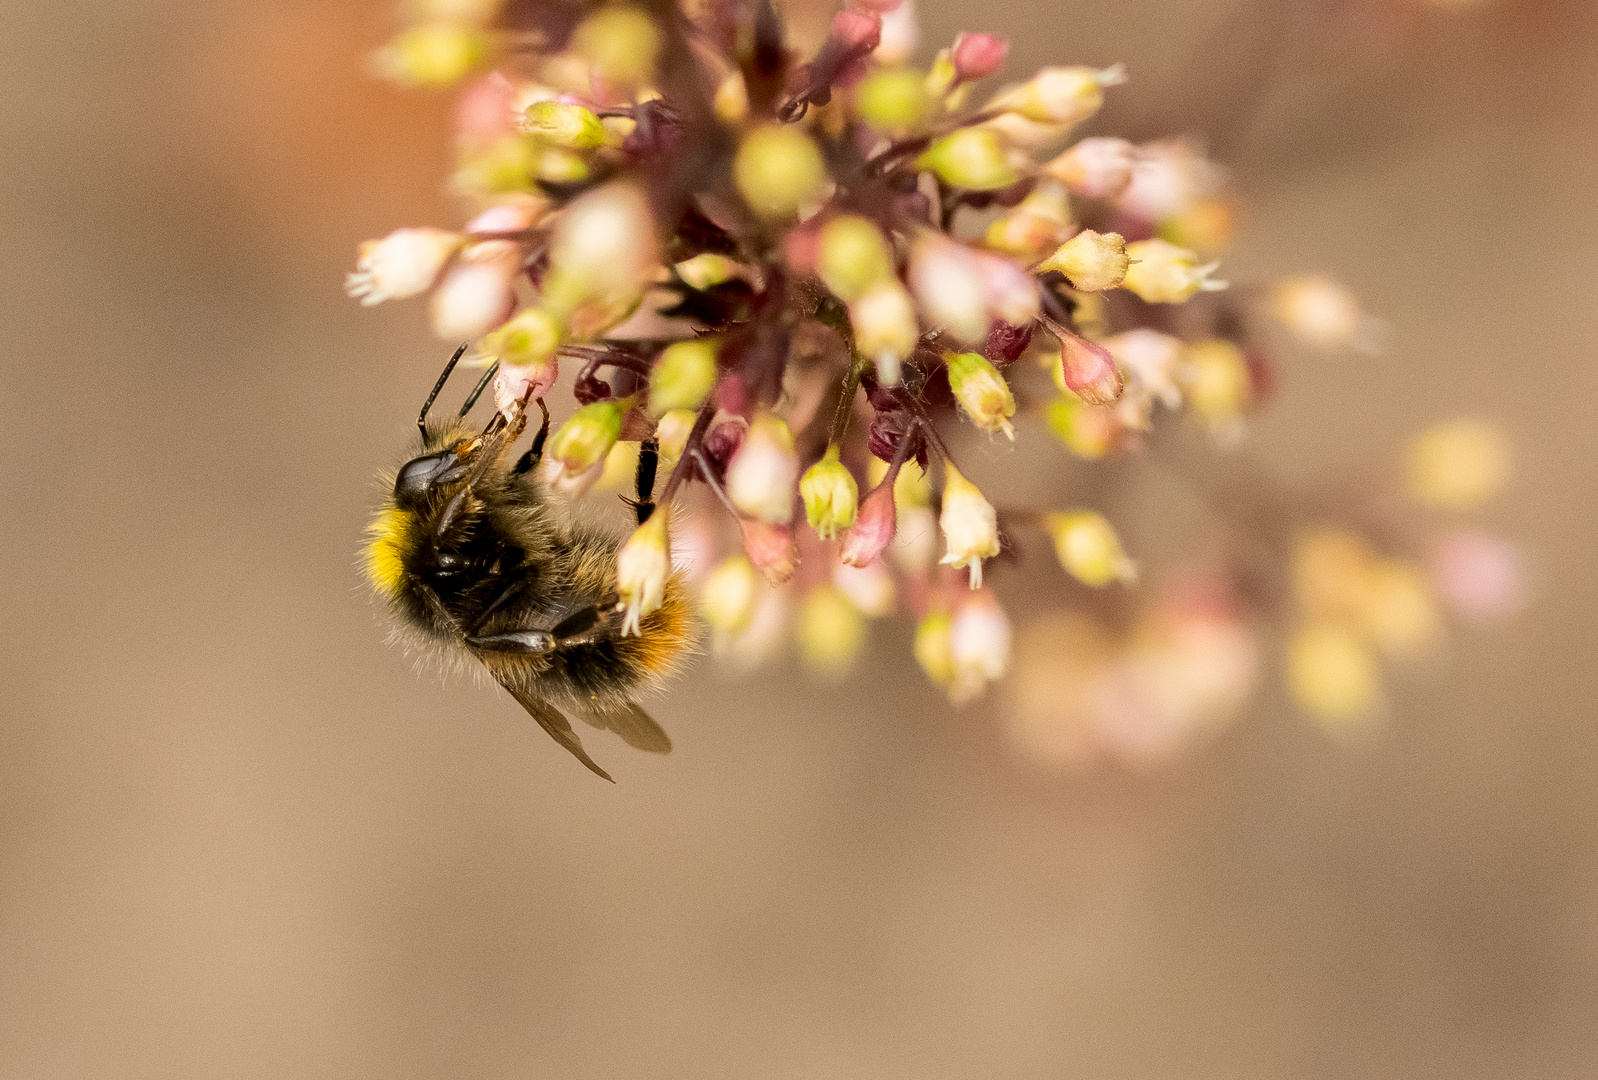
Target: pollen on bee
x,y
390,533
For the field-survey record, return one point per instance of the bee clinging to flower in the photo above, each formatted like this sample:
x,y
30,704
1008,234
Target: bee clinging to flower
x,y
474,559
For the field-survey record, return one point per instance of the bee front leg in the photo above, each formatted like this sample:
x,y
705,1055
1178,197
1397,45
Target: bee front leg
x,y
529,461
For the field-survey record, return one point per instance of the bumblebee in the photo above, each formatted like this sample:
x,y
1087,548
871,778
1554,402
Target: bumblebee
x,y
476,562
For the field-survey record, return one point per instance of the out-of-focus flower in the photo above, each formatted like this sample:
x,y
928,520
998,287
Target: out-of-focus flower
x,y
729,595
404,263
1219,387
1163,273
1038,224
771,548
683,376
830,494
1331,573
431,54
970,525
587,436
1458,464
673,431
974,158
1097,168
852,256
731,103
934,646
885,327
869,587
1168,178
1398,614
979,645
893,100
1479,576
476,294
761,476
914,549
529,339
642,566
1332,674
602,253
900,33
1317,310
706,270
948,285
1009,293
778,169
1087,369
1088,431
873,528
570,126
1060,95
621,43
830,631
1150,360
1091,260
981,392
1089,549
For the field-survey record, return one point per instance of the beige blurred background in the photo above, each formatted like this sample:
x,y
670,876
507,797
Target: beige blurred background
x,y
240,838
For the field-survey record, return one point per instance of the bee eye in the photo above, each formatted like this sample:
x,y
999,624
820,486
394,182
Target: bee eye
x,y
420,474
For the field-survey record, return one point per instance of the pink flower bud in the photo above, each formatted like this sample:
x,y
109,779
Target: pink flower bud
x,y
486,110
402,264
976,56
771,548
515,216
1088,368
477,293
855,31
873,528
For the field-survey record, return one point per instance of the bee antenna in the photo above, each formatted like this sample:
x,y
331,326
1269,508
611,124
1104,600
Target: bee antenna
x,y
421,420
477,391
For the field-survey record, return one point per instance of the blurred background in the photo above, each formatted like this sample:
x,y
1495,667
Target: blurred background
x,y
239,837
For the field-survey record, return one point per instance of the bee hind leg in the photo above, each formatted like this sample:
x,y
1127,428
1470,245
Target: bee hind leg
x,y
644,479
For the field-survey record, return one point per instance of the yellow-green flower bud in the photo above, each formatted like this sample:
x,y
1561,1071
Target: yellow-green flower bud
x,y
621,43
934,647
830,631
684,374
852,256
433,54
569,126
832,498
1060,95
642,567
981,392
893,100
530,338
1089,549
778,169
972,158
585,438
1162,273
1091,260
706,270
673,431
727,599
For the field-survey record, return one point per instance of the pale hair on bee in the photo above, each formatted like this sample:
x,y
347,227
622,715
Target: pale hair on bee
x,y
478,564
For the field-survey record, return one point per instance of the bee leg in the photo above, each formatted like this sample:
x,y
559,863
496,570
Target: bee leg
x,y
533,642
529,461
648,462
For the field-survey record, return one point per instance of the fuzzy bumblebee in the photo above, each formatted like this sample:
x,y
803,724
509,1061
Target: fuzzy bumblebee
x,y
476,561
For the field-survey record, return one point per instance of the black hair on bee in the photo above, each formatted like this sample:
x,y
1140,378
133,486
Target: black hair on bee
x,y
472,557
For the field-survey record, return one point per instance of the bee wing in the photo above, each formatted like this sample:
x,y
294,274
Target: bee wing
x,y
553,721
636,727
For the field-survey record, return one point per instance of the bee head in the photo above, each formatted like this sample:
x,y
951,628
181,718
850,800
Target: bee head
x,y
422,476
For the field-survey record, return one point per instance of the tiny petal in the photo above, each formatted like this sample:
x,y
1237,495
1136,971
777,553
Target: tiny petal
x,y
1479,576
514,384
528,339
621,43
1332,674
1219,386
570,126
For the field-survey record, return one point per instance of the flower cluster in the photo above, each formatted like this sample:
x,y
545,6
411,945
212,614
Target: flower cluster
x,y
802,271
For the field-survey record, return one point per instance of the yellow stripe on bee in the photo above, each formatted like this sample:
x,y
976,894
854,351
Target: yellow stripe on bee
x,y
391,533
